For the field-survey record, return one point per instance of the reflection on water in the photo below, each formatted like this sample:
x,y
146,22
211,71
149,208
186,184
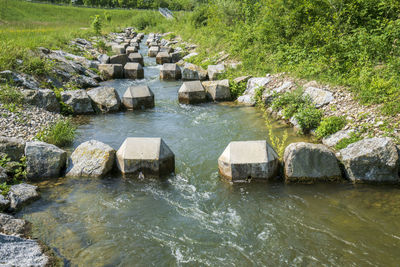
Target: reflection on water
x,y
196,218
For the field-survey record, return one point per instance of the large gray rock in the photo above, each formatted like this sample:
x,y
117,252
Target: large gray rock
x,y
103,59
111,71
215,71
176,56
334,139
131,49
119,59
253,85
170,71
4,204
136,58
306,163
192,93
3,175
21,195
149,156
371,160
188,56
12,226
138,97
44,160
83,81
118,49
19,79
18,251
91,159
163,57
78,100
153,51
133,71
319,97
247,160
218,90
13,147
43,98
191,72
105,99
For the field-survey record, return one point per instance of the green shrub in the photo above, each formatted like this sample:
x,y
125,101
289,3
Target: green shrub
x,y
354,137
200,16
290,102
60,134
258,96
35,65
10,95
237,89
330,125
96,24
16,170
308,118
4,189
65,109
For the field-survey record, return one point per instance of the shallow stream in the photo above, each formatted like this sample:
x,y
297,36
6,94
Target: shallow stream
x,y
196,218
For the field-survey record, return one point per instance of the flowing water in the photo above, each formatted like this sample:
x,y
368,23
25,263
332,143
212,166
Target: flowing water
x,y
196,218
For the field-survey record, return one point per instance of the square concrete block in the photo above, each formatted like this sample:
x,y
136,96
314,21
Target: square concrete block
x,y
118,49
215,71
111,71
119,59
218,90
134,44
138,97
149,156
246,160
192,93
131,49
153,51
136,58
163,57
170,71
133,71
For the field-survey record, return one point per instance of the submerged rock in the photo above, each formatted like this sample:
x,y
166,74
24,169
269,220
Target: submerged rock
x,y
44,160
371,160
21,195
78,100
13,147
246,160
91,159
305,162
149,156
105,99
43,98
192,93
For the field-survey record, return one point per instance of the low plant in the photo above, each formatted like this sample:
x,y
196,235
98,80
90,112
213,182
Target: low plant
x,y
4,189
290,102
354,137
258,96
237,89
102,47
60,134
96,24
10,95
107,16
330,125
65,109
17,170
35,65
309,118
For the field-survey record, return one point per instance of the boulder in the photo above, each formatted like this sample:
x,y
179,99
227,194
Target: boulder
x,y
191,72
215,71
12,226
103,59
136,45
133,71
153,51
190,56
334,139
111,71
19,79
13,147
138,97
83,81
218,90
43,98
252,85
192,93
18,251
119,59
163,57
131,50
247,160
136,58
170,71
78,100
21,195
3,175
118,49
242,79
4,204
44,160
149,156
318,96
371,160
307,163
91,159
105,99
176,56
166,49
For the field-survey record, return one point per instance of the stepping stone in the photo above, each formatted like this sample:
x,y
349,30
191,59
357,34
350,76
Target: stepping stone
x,y
215,71
153,44
149,156
192,72
247,160
170,71
131,50
134,44
163,57
135,40
192,93
111,71
137,58
138,97
218,90
119,59
104,99
118,49
153,51
133,71
125,45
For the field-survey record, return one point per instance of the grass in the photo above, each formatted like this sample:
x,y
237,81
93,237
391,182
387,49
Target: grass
x,y
60,134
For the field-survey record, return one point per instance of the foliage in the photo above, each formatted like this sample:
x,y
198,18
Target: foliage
x,y
65,109
258,96
354,137
330,125
107,16
97,24
10,95
17,170
60,134
309,118
237,89
290,102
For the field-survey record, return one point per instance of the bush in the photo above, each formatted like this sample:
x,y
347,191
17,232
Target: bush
x,y
35,65
309,118
200,16
330,125
354,137
96,24
10,95
60,134
290,102
237,89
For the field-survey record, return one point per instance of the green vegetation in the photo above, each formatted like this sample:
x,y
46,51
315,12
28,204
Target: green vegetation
x,y
15,170
290,102
309,117
330,125
96,24
354,137
60,134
